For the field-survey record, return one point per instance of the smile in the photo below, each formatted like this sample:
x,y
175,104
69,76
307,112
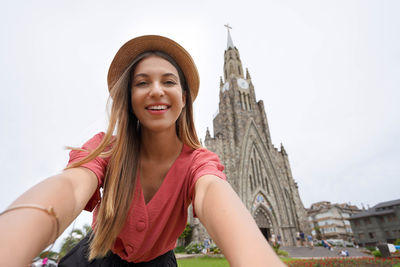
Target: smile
x,y
157,107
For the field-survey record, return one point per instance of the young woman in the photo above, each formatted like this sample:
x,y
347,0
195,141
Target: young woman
x,y
150,166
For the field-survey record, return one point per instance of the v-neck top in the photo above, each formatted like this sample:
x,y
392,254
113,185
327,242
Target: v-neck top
x,y
152,229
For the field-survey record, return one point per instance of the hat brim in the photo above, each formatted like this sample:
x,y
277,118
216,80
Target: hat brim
x,y
133,48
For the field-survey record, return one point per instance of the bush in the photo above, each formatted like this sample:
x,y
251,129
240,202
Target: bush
x,y
371,248
376,253
276,247
318,244
194,248
282,253
397,242
214,249
278,251
179,249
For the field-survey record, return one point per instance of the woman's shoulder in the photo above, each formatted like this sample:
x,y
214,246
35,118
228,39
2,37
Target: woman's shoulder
x,y
95,140
200,153
202,156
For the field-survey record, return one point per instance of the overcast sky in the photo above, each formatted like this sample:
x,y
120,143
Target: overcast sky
x,y
327,71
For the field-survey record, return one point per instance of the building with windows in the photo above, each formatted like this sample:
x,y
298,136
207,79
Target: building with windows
x,y
379,224
331,221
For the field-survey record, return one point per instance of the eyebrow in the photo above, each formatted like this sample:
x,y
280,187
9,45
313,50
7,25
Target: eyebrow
x,y
146,75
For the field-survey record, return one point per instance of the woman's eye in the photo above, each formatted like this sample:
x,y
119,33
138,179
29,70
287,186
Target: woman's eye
x,y
140,83
170,82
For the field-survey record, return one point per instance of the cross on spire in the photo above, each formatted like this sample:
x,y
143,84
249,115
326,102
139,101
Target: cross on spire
x,y
230,43
228,27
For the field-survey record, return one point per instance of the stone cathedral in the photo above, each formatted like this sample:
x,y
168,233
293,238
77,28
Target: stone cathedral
x,y
258,172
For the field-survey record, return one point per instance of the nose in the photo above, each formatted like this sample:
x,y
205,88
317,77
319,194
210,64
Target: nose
x,y
156,90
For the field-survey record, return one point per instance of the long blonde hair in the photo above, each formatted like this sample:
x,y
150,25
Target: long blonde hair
x,y
120,177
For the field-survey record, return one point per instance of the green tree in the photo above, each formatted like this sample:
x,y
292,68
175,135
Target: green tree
x,y
186,235
318,234
73,239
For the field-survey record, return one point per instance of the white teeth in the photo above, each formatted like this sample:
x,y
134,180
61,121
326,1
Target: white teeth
x,y
160,107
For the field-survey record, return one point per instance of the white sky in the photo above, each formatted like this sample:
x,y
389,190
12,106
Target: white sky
x,y
328,72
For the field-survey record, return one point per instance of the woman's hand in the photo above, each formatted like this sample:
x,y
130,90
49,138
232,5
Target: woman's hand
x,y
26,232
230,224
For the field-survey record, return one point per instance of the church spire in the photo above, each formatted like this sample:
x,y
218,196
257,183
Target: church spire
x,y
232,64
230,42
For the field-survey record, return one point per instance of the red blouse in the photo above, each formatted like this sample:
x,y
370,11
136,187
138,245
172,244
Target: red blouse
x,y
152,229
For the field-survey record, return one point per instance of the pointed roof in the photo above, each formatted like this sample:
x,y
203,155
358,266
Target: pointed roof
x,y
283,151
230,43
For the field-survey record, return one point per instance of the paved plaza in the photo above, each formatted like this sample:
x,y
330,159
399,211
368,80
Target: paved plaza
x,y
300,252
317,252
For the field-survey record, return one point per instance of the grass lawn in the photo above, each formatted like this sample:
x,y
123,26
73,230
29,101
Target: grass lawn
x,y
291,262
210,262
202,262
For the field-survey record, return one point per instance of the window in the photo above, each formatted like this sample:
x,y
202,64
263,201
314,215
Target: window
x,y
361,235
356,222
371,235
254,172
367,220
391,217
381,219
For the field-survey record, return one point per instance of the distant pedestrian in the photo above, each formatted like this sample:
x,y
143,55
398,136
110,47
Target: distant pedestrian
x,y
207,246
343,253
302,238
325,244
298,239
273,240
279,238
310,241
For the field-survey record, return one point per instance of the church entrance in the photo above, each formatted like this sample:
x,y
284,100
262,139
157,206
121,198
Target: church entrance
x,y
261,218
266,233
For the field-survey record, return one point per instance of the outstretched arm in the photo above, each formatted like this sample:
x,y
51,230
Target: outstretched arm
x,y
29,231
230,224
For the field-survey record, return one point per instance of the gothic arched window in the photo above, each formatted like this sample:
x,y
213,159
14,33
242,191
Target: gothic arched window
x,y
254,173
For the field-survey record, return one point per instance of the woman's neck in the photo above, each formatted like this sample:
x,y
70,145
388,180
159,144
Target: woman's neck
x,y
160,145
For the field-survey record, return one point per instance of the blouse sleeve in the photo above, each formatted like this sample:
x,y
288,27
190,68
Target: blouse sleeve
x,y
98,166
204,162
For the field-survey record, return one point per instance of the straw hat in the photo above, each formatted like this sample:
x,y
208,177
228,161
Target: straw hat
x,y
131,49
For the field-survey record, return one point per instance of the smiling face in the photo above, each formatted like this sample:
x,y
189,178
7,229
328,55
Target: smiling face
x,y
156,94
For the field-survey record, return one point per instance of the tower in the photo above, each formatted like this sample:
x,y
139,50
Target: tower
x,y
258,172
